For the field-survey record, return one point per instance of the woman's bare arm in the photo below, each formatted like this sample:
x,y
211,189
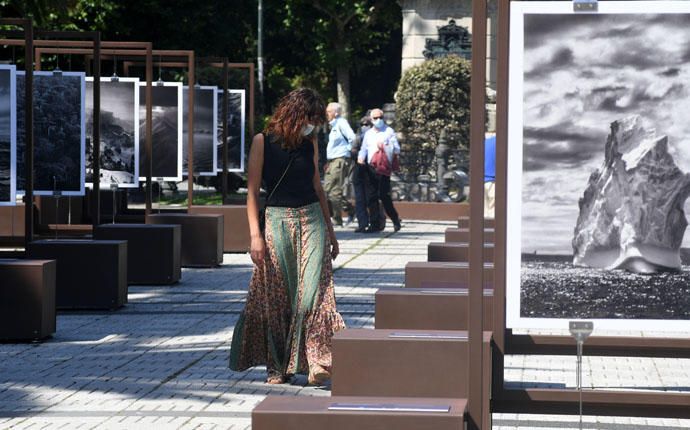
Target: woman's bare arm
x,y
254,172
323,202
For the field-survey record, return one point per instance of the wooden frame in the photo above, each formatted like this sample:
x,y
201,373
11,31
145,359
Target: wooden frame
x,y
93,47
176,59
221,63
110,50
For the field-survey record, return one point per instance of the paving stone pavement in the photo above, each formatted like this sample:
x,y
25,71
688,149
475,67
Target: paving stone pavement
x,y
161,361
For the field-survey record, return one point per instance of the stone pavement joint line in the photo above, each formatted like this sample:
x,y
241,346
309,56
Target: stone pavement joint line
x,y
161,361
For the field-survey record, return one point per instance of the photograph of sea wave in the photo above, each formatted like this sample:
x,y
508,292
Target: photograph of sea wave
x,y
205,125
166,131
235,137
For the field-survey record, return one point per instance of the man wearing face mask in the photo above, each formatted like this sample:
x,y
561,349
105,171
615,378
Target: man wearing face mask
x,y
379,137
338,169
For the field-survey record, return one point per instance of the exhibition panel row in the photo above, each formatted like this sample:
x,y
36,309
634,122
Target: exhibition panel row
x,y
63,124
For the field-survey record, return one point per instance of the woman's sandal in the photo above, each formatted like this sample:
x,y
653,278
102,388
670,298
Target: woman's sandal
x,y
318,375
275,378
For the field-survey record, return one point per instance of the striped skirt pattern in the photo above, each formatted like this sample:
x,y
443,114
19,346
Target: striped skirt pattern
x,y
290,315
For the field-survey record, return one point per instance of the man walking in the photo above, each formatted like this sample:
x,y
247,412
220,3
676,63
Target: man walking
x,y
380,137
338,154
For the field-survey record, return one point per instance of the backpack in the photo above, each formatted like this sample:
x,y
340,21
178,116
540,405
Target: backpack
x,y
380,163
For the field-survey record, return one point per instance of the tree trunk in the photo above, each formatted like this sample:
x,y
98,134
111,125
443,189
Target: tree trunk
x,y
343,87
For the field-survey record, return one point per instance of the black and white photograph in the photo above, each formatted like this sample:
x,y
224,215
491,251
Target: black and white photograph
x,y
599,166
119,132
166,131
59,133
8,135
236,127
205,126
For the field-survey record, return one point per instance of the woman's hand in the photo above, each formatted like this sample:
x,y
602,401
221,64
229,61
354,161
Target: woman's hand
x,y
335,249
258,250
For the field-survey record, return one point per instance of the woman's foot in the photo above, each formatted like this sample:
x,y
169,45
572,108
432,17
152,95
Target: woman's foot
x,y
275,378
318,375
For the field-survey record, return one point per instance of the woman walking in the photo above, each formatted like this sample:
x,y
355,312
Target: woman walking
x,y
290,315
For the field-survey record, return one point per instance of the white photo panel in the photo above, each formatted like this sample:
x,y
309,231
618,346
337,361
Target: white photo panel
x,y
166,131
119,132
599,166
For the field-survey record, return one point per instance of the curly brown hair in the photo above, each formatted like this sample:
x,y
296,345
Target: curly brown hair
x,y
295,110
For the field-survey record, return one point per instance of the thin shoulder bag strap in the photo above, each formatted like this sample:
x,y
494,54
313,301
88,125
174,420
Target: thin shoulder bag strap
x,y
281,177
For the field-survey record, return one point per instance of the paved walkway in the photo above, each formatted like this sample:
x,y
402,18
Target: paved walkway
x,y
161,362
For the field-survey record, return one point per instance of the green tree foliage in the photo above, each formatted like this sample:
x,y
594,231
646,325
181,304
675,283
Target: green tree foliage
x,y
62,14
329,43
317,43
435,96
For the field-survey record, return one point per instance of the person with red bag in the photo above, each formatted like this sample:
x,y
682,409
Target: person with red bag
x,y
379,152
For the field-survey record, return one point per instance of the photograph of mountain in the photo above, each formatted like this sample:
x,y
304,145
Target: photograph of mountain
x,y
119,132
599,144
205,124
236,130
59,133
8,136
167,131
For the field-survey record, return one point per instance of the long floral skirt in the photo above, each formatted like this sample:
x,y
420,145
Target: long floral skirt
x,y
290,315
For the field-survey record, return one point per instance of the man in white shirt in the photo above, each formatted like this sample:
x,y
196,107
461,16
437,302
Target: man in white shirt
x,y
380,137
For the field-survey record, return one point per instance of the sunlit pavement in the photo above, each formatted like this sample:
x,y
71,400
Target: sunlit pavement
x,y
161,361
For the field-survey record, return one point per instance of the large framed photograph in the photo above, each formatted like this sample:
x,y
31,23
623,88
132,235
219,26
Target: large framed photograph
x,y
8,135
235,137
167,131
205,126
59,133
599,166
119,132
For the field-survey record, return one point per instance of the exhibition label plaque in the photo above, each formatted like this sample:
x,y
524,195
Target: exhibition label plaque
x,y
411,335
388,407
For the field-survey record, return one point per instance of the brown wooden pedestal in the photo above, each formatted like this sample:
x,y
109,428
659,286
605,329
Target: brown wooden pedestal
x,y
235,225
312,413
416,364
27,299
463,235
91,274
423,274
456,252
153,251
12,225
464,222
202,237
428,309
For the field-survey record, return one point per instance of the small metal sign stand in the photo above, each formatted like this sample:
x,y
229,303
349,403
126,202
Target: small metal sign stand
x,y
580,330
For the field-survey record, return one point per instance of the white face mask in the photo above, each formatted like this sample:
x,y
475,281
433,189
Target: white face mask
x,y
307,129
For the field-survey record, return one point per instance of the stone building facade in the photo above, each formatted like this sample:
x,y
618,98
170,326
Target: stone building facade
x,y
423,18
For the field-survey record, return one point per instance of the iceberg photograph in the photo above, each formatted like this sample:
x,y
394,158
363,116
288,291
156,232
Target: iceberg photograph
x,y
602,159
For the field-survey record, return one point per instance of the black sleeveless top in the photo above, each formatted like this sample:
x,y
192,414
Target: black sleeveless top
x,y
297,187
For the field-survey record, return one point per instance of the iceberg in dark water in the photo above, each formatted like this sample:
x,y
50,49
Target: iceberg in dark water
x,y
631,214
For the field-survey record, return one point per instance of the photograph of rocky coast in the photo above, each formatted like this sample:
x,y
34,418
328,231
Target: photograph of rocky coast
x,y
59,133
119,132
167,131
605,169
7,134
235,139
205,125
